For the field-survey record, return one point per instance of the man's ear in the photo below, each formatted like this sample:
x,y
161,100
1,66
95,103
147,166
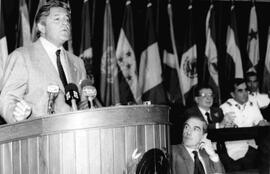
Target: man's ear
x,y
41,27
196,99
232,94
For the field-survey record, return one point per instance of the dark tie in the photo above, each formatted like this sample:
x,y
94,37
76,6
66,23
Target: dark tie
x,y
198,167
60,68
208,117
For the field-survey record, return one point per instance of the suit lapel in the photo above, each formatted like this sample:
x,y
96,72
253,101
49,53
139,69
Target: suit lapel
x,y
187,158
72,69
198,111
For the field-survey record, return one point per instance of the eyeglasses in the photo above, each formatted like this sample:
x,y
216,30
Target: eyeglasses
x,y
204,95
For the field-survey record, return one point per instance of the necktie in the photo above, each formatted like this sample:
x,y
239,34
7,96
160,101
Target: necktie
x,y
198,167
208,117
60,68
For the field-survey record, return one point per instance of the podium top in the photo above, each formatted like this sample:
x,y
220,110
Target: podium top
x,y
106,117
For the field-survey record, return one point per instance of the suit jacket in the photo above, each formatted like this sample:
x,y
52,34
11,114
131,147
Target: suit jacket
x,y
28,73
182,163
216,115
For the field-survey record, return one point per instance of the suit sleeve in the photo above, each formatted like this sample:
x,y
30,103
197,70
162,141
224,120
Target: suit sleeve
x,y
14,85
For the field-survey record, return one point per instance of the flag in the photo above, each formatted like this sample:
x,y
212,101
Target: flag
x,y
266,75
188,65
3,44
86,48
34,28
253,41
150,74
24,34
109,87
128,78
211,53
233,53
171,66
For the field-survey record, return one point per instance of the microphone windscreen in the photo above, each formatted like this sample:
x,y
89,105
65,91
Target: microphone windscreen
x,y
72,92
86,82
53,89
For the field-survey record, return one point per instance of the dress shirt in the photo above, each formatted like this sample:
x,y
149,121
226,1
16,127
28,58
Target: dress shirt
x,y
51,50
246,115
203,111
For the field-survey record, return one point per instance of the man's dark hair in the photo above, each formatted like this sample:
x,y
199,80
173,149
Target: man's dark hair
x,y
237,82
200,87
198,117
250,74
44,11
154,161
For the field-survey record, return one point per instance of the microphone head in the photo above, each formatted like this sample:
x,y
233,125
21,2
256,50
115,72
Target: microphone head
x,y
89,91
86,82
72,92
53,89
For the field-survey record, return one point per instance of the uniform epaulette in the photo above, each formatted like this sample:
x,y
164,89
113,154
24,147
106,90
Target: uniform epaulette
x,y
229,103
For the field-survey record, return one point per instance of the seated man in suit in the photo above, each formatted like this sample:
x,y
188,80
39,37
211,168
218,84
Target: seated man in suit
x,y
241,154
31,69
196,154
204,98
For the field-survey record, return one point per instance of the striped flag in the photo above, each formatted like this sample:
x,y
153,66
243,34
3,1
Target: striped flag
x,y
24,33
109,87
3,44
171,64
86,52
211,53
150,74
266,75
34,28
128,78
188,66
253,41
234,61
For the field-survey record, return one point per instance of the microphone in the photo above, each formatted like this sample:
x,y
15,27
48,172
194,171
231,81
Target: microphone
x,y
72,95
89,91
53,91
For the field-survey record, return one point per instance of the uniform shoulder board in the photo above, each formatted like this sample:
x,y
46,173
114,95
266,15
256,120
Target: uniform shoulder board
x,y
229,103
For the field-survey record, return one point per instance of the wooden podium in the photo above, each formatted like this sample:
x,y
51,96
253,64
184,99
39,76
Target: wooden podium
x,y
98,141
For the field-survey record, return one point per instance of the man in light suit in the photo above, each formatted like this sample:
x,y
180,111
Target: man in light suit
x,y
31,69
194,139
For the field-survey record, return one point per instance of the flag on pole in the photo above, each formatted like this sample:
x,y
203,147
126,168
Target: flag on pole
x,y
86,48
234,61
109,87
24,33
126,60
86,52
3,44
150,74
188,66
266,75
171,63
211,53
34,28
253,41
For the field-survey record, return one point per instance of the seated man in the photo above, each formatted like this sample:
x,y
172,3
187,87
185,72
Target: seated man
x,y
241,154
204,100
195,154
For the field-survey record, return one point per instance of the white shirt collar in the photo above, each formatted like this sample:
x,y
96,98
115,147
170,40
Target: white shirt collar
x,y
203,111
